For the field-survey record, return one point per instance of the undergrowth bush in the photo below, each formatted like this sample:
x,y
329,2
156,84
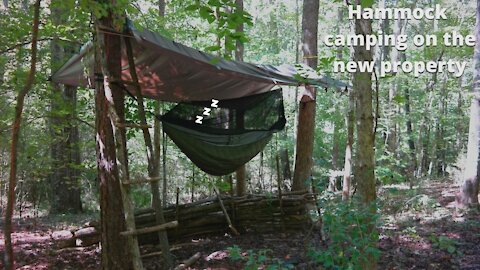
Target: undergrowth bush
x,y
350,240
258,259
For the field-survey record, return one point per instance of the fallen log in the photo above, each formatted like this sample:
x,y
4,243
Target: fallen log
x,y
189,262
81,238
162,227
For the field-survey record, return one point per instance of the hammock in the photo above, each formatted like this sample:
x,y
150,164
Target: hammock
x,y
230,135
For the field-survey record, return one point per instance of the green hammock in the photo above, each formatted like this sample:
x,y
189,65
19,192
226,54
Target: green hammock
x,y
230,135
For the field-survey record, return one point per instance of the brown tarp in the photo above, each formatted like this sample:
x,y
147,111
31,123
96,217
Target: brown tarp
x,y
170,71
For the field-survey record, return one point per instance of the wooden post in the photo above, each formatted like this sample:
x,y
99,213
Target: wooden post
x,y
162,235
227,217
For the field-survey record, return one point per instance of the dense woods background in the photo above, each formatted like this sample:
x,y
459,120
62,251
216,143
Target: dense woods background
x,y
421,124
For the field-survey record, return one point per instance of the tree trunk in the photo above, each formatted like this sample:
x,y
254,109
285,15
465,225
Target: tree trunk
x,y
392,138
164,168
332,182
306,113
365,151
159,148
460,127
239,45
241,173
347,168
8,256
64,149
349,123
161,8
285,161
157,129
468,196
411,143
116,250
440,163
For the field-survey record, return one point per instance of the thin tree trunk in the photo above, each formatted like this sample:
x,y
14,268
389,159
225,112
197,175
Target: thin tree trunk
x,y
285,161
159,147
297,56
260,171
332,182
440,168
392,137
365,152
152,171
64,149
460,127
9,260
349,123
306,115
161,8
239,45
193,184
347,168
164,168
411,143
241,173
468,196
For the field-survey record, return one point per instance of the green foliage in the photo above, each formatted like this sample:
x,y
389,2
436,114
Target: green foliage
x,y
444,243
257,259
387,175
367,3
227,19
350,238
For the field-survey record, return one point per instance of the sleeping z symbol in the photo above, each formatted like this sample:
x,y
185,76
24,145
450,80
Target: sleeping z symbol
x,y
199,119
214,103
206,111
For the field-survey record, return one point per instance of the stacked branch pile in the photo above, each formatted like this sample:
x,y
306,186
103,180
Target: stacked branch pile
x,y
257,213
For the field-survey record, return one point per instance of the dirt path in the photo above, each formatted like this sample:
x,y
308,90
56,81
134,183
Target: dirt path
x,y
419,231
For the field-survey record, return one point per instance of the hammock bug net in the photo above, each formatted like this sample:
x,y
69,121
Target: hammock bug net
x,y
220,137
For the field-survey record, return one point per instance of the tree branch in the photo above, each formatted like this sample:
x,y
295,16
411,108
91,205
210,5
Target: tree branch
x,y
24,43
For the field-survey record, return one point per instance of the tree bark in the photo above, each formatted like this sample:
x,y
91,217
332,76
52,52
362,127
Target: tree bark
x,y
392,137
349,123
411,143
64,149
164,168
332,183
468,196
9,260
159,137
440,162
239,45
161,8
365,147
241,173
347,168
116,250
306,113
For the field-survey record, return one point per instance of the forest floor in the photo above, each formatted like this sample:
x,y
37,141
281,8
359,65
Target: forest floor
x,y
420,230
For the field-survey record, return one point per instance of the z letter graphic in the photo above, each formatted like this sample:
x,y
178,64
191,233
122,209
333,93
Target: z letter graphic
x,y
206,111
199,119
214,103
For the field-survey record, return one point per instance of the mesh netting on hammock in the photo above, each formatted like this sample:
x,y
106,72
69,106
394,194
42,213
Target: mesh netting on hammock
x,y
230,135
